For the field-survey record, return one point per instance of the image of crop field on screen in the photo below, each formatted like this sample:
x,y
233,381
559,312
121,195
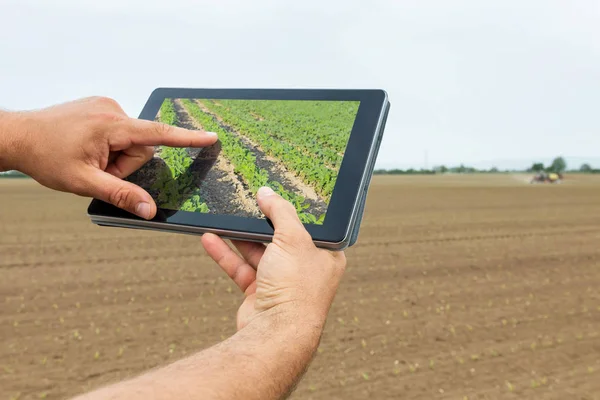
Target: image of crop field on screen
x,y
293,146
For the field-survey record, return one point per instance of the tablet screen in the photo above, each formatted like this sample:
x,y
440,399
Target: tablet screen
x,y
293,146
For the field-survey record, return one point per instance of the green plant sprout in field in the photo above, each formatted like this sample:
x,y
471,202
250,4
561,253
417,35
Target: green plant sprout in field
x,y
298,202
167,113
309,137
244,163
175,184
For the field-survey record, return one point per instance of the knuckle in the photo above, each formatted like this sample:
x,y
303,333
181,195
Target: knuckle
x,y
283,237
120,197
106,101
287,238
91,98
162,129
292,238
109,117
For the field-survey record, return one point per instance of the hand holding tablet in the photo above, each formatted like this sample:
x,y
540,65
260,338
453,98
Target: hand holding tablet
x,y
292,275
315,148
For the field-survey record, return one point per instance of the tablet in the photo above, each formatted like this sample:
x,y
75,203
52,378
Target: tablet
x,y
315,147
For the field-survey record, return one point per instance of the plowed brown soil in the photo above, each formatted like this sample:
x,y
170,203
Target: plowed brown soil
x,y
459,287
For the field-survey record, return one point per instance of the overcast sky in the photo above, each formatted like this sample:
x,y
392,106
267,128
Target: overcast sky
x,y
479,82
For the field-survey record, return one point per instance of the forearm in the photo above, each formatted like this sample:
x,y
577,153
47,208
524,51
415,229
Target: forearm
x,y
13,131
261,361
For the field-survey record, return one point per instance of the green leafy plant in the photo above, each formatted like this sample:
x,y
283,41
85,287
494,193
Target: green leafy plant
x,y
309,137
244,162
175,184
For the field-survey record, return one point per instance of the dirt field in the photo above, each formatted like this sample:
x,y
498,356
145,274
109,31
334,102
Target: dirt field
x,y
459,288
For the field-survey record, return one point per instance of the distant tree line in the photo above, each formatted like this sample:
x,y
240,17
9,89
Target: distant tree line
x,y
442,169
587,169
397,171
558,165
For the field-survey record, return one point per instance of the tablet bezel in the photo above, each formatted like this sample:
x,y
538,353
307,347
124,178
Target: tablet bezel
x,y
348,187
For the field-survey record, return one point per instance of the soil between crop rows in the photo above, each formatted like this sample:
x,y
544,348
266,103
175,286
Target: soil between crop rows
x,y
222,189
276,171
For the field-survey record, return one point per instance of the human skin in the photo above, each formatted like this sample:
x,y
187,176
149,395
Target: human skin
x,y
289,286
86,147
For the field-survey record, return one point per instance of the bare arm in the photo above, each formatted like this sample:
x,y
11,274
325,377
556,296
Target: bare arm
x,y
10,145
289,286
87,147
262,361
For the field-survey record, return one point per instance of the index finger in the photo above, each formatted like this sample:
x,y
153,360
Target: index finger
x,y
149,133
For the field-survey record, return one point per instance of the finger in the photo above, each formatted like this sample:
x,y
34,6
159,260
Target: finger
x,y
339,258
234,266
251,251
130,160
120,193
281,212
251,289
149,133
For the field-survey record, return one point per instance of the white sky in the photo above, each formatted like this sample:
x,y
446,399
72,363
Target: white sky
x,y
479,82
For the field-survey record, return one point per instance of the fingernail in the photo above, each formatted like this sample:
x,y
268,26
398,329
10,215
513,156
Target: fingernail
x,y
211,134
265,191
143,210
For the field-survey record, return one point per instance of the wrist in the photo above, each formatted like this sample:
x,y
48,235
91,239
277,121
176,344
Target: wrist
x,y
291,323
280,347
13,140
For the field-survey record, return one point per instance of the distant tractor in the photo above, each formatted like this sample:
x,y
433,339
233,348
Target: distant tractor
x,y
543,177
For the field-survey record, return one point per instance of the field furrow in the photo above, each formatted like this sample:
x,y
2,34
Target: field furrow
x,y
295,139
254,167
223,190
267,162
459,287
320,127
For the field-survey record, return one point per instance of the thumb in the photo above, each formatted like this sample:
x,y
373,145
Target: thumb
x,y
125,195
283,215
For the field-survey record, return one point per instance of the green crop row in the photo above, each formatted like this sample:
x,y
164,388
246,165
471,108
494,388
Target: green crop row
x,y
284,128
244,163
325,124
167,113
309,137
175,184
